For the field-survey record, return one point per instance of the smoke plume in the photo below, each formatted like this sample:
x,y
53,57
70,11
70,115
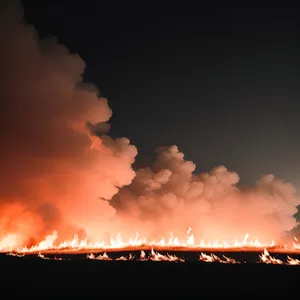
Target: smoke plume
x,y
54,170
168,195
60,170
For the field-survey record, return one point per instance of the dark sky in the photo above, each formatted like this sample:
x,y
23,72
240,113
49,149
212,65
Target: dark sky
x,y
221,82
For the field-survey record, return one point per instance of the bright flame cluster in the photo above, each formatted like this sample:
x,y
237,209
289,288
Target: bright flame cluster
x,y
8,244
265,258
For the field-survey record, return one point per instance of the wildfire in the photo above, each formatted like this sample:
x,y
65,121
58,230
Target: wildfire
x,y
9,243
265,257
156,256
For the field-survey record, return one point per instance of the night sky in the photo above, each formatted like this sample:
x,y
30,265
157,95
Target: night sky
x,y
221,82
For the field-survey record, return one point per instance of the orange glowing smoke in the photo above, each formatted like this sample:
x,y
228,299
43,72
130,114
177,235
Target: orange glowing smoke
x,y
17,225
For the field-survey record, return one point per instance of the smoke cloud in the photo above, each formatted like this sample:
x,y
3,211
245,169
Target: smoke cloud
x,y
60,170
169,195
54,170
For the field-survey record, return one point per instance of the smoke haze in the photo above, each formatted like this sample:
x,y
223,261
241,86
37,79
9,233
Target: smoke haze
x,y
58,164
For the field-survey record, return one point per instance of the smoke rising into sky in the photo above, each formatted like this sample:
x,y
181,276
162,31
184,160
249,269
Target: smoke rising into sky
x,y
53,168
61,170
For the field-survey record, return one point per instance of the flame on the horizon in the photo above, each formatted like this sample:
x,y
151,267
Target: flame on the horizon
x,y
265,257
9,243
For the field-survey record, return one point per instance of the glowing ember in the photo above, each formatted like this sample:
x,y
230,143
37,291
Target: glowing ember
x,y
15,254
42,256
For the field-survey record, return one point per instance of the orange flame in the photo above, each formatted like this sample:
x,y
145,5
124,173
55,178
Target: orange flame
x,y
214,258
265,257
9,243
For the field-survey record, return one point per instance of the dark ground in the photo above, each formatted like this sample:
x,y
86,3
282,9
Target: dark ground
x,y
37,278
